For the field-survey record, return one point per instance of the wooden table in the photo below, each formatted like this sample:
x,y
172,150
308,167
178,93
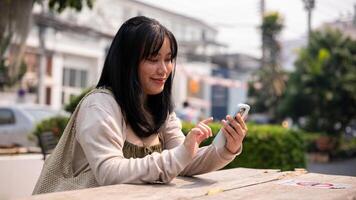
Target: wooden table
x,y
239,183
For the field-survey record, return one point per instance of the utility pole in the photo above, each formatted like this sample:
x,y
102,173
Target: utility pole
x,y
262,12
309,6
43,61
354,17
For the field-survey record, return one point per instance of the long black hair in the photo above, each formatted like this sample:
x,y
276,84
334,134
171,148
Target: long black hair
x,y
138,38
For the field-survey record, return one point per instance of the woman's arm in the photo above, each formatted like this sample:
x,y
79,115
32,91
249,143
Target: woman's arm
x,y
207,159
99,132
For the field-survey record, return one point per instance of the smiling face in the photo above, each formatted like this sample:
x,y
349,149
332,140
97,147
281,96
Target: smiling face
x,y
155,70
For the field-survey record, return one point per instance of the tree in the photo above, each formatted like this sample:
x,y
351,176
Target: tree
x,y
322,90
15,22
268,82
60,5
14,26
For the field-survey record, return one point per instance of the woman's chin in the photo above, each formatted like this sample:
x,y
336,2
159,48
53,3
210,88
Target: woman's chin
x,y
155,91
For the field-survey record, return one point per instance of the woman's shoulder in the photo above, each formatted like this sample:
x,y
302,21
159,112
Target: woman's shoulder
x,y
101,98
172,121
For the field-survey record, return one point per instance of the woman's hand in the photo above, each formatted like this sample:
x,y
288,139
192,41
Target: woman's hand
x,y
234,133
199,133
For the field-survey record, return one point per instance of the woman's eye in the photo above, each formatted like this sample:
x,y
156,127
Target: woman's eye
x,y
152,60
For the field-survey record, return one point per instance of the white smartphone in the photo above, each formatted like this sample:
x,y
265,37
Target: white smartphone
x,y
220,140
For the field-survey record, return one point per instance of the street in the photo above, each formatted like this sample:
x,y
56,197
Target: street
x,y
341,167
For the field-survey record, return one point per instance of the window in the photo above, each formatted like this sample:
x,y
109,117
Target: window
x,y
72,77
6,117
83,78
49,66
75,78
203,35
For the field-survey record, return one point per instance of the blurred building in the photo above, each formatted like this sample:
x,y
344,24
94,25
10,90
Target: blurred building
x,y
289,54
75,46
73,58
346,25
236,70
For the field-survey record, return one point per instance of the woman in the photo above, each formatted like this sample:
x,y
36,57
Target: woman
x,y
125,130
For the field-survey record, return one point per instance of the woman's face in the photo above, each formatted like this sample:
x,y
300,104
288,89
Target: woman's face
x,y
154,71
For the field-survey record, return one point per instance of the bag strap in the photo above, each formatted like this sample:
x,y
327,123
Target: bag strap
x,y
66,144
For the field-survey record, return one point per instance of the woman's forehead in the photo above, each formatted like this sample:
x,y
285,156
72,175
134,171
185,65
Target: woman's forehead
x,y
164,49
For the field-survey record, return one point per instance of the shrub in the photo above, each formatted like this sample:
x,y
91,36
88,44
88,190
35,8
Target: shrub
x,y
346,149
266,146
70,107
310,140
56,125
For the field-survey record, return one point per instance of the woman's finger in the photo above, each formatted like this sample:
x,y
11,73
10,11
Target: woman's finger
x,y
230,130
198,134
208,128
241,121
203,128
236,126
207,120
227,135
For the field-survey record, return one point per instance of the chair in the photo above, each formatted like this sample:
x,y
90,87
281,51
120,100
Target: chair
x,y
47,142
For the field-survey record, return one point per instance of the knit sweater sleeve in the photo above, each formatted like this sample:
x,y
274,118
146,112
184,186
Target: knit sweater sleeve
x,y
100,133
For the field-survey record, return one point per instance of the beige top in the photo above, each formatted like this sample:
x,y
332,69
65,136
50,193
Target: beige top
x,y
101,134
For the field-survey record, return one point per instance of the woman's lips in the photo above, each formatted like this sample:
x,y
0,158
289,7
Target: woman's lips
x,y
159,81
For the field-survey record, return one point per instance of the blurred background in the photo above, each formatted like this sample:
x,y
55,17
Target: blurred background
x,y
293,61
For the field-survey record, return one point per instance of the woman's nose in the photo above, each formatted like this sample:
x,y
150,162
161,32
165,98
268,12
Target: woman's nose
x,y
162,68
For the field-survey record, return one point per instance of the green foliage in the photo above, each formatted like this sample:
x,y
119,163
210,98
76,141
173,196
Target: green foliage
x,y
322,90
56,125
310,140
272,24
70,107
268,83
266,146
5,78
3,74
60,5
347,148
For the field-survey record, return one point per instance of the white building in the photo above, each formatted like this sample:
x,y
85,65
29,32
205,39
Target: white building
x,y
76,45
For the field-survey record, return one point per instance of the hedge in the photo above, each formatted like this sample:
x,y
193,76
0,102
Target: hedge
x,y
56,125
70,107
266,147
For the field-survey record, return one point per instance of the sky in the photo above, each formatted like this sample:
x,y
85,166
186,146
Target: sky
x,y
237,20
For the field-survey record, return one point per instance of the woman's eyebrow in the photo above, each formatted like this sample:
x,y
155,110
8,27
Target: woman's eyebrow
x,y
168,54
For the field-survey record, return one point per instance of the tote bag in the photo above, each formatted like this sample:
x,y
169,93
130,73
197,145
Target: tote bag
x,y
57,173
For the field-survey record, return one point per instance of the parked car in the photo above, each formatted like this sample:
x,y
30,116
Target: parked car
x,y
18,121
